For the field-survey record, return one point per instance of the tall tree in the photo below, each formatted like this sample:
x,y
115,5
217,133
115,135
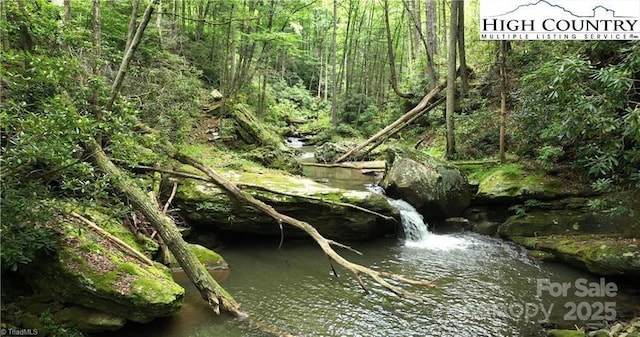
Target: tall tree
x,y
133,23
461,48
431,73
334,85
503,96
451,79
391,55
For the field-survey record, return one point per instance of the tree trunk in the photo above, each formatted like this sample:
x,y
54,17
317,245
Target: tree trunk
x,y
391,55
403,125
132,24
209,289
95,62
503,97
417,109
159,25
451,80
67,10
461,48
124,65
334,94
431,73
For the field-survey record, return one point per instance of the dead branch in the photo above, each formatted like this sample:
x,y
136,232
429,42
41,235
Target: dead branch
x,y
113,239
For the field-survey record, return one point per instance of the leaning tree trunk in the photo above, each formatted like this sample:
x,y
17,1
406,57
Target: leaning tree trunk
x,y
417,109
209,289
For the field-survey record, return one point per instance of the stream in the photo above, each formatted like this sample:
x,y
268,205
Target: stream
x,y
485,287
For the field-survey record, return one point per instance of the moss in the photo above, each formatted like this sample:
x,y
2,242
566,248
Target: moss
x,y
597,253
479,173
152,290
129,268
565,333
116,228
208,257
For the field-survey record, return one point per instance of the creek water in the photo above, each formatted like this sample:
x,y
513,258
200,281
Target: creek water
x,y
484,287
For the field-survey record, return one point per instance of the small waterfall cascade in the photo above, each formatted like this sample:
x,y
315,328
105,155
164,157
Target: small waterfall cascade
x,y
416,231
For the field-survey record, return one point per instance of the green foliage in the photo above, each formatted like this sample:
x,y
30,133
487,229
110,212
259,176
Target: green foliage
x,y
26,228
549,155
603,185
587,114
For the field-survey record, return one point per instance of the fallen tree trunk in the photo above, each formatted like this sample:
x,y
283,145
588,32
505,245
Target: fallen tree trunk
x,y
377,164
417,109
402,126
210,290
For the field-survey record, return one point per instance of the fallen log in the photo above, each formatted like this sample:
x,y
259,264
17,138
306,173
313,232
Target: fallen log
x,y
403,125
376,164
210,290
418,108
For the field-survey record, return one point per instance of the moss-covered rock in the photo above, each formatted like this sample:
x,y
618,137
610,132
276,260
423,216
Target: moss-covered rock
x,y
205,205
604,240
510,186
434,187
91,271
598,253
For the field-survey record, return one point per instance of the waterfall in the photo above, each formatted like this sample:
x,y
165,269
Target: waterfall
x,y
416,232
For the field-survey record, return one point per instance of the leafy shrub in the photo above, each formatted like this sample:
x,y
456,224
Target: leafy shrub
x,y
587,111
550,155
24,229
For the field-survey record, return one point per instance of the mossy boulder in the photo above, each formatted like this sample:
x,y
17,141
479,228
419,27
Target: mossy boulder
x,y
214,262
89,270
207,206
510,186
436,188
599,236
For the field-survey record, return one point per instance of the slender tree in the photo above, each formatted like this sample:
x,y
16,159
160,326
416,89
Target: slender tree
x,y
451,79
461,48
391,55
334,85
133,23
67,10
503,97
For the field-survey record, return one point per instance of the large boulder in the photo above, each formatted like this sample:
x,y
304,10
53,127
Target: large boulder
x,y
436,188
90,270
207,206
595,234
